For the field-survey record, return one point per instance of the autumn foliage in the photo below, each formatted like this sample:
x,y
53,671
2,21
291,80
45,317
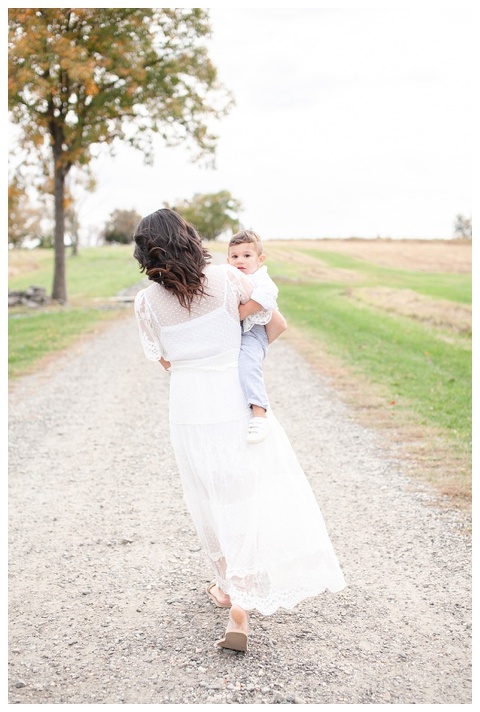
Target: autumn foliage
x,y
80,78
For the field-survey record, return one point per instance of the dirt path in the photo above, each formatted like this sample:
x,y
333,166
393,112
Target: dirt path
x,y
107,602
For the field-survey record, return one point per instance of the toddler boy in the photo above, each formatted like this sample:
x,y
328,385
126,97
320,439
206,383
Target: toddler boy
x,y
245,252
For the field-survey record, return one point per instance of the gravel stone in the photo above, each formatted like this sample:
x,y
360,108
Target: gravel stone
x,y
107,599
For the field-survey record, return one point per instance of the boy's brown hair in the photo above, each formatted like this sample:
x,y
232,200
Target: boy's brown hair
x,y
247,236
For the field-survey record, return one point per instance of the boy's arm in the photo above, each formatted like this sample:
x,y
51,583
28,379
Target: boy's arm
x,y
250,307
275,326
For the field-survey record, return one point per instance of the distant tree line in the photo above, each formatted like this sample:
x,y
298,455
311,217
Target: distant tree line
x,y
120,226
462,227
212,214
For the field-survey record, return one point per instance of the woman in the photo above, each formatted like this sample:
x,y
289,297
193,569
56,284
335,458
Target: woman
x,y
253,509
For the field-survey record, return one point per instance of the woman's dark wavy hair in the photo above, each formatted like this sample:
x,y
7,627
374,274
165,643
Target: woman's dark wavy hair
x,y
170,251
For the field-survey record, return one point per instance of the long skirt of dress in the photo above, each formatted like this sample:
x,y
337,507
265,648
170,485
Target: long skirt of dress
x,y
252,505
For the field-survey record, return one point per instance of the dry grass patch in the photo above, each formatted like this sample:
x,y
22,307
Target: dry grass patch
x,y
440,313
312,268
445,256
22,262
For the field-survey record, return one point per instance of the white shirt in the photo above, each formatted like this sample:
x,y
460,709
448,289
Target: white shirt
x,y
265,292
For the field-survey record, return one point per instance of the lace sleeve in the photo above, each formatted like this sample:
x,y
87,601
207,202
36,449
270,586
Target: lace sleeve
x,y
146,326
239,284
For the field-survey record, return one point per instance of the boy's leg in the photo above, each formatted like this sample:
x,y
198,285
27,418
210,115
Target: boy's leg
x,y
252,352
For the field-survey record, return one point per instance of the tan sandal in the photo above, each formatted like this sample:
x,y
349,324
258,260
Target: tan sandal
x,y
234,640
236,637
213,598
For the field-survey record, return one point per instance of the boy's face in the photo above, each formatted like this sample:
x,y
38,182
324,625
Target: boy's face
x,y
245,257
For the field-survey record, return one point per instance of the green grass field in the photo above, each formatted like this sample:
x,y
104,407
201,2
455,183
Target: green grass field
x,y
94,273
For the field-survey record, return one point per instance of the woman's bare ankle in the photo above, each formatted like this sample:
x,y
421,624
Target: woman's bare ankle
x,y
222,596
238,618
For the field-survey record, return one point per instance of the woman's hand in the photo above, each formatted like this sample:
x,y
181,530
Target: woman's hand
x,y
166,364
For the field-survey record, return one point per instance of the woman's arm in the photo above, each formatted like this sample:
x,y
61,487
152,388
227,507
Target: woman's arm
x,y
275,326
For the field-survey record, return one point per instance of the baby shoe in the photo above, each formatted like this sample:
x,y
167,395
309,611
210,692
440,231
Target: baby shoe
x,y
257,430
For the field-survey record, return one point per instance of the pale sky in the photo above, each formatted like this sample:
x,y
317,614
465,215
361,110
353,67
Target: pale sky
x,y
348,122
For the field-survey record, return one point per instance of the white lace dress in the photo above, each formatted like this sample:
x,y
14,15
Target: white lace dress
x,y
252,506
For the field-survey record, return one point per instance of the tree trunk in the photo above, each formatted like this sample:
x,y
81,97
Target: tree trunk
x,y
59,292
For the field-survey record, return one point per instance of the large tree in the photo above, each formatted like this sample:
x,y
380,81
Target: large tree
x,y
80,78
211,213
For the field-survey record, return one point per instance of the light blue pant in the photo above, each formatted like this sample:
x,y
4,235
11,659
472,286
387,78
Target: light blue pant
x,y
253,350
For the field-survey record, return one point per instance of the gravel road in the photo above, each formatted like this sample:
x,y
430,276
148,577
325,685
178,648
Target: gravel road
x,y
107,600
